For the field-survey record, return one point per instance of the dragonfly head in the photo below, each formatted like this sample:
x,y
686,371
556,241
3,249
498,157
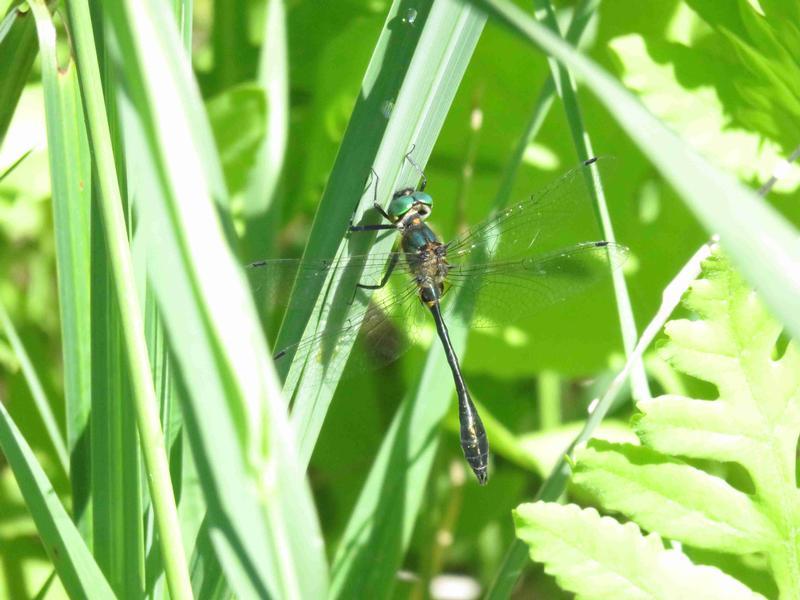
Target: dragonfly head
x,y
413,200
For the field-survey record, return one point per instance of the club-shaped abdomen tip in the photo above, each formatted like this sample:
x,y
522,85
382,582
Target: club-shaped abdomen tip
x,y
476,449
482,473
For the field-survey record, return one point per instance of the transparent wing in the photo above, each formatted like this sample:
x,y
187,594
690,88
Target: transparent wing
x,y
272,280
552,218
505,291
379,332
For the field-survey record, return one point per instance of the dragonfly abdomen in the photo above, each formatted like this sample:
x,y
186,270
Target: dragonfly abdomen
x,y
474,441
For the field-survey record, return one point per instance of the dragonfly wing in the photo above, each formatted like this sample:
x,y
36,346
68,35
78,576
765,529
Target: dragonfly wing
x,y
364,338
273,280
503,291
552,218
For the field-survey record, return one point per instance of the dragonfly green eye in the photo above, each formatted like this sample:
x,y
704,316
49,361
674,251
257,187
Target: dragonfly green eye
x,y
423,198
401,205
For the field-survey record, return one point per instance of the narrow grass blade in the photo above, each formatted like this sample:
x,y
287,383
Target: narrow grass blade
x,y
233,54
73,562
261,194
105,455
273,75
583,146
184,476
769,260
261,518
448,37
70,173
380,527
384,519
116,473
581,16
37,391
8,170
147,417
208,581
17,52
435,382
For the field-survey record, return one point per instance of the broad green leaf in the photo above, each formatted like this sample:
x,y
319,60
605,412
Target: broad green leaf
x,y
764,63
678,501
546,447
698,113
596,557
755,420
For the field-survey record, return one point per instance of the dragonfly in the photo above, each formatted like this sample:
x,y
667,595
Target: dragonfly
x,y
511,265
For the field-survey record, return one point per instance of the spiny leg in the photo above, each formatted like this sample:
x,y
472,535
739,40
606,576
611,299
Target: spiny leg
x,y
414,164
378,208
389,270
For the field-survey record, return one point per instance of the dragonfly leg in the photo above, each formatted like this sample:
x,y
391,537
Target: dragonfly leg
x,y
380,227
386,275
377,207
375,203
384,279
381,212
414,164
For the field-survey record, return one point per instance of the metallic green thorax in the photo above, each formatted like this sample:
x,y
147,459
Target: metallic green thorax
x,y
400,205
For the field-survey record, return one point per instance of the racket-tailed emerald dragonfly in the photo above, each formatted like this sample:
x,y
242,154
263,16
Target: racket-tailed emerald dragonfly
x,y
505,268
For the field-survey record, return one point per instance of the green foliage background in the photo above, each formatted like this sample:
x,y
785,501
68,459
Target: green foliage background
x,y
721,82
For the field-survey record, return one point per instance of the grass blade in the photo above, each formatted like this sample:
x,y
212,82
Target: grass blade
x,y
260,514
583,145
17,53
261,194
273,75
73,562
116,470
383,519
37,391
581,16
435,64
71,185
152,441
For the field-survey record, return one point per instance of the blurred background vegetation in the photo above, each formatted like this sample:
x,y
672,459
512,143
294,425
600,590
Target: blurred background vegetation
x,y
536,379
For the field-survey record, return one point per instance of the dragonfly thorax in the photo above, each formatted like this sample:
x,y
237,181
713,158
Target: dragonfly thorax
x,y
427,259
